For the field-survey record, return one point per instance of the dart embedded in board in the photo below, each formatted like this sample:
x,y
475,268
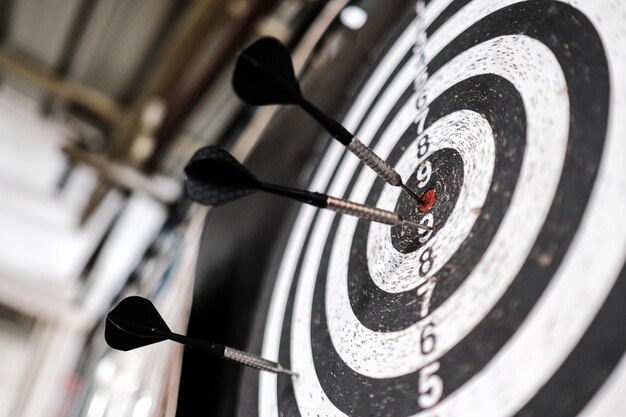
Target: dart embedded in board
x,y
264,75
215,177
135,323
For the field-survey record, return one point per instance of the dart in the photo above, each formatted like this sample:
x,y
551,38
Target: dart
x,y
264,75
215,177
135,323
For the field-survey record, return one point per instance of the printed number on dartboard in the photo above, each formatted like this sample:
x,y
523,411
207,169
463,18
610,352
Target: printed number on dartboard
x,y
424,170
430,385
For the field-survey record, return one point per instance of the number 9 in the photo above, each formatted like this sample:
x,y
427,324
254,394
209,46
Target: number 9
x,y
424,171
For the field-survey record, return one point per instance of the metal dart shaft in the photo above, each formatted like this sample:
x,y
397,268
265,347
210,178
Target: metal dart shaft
x,y
231,354
378,165
358,148
341,206
370,213
411,193
255,361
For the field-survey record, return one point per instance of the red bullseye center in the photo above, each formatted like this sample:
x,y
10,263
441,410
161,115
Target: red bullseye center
x,y
428,200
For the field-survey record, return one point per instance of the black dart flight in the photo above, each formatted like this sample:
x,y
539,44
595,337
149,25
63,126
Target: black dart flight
x,y
135,322
264,75
215,177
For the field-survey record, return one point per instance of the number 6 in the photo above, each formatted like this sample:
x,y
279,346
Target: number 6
x,y
428,341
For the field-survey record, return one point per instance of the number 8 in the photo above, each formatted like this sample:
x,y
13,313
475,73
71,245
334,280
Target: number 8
x,y
426,261
422,146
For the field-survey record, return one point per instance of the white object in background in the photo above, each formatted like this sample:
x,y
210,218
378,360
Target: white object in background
x,y
138,225
43,250
30,157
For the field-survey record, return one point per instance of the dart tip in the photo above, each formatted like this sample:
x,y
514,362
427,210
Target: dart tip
x,y
417,225
282,370
411,193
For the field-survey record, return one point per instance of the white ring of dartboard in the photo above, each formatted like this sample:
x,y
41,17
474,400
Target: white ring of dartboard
x,y
514,304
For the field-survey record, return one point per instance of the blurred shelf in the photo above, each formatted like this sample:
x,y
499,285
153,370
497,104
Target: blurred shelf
x,y
82,221
58,275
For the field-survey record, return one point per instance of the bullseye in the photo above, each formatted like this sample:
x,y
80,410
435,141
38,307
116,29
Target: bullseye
x,y
428,200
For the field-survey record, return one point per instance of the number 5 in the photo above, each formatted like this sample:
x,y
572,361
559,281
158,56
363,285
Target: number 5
x,y
430,386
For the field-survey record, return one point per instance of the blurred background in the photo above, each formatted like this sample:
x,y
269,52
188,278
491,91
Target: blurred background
x,y
102,102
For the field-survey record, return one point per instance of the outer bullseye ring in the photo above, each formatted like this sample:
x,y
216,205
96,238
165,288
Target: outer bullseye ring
x,y
438,178
391,271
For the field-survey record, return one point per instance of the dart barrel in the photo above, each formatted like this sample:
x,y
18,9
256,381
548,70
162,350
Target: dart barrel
x,y
378,165
252,361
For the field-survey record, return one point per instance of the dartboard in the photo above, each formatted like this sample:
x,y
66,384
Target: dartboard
x,y
510,116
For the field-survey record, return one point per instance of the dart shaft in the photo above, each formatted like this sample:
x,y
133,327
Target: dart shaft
x,y
304,196
369,213
363,212
254,361
378,165
358,148
231,354
353,144
210,348
341,206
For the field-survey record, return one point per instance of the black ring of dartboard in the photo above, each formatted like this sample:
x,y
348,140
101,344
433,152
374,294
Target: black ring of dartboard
x,y
576,45
446,178
387,312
